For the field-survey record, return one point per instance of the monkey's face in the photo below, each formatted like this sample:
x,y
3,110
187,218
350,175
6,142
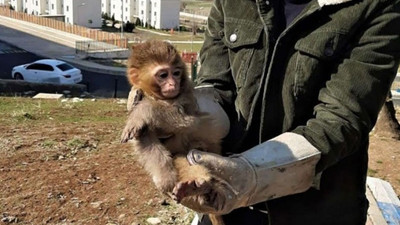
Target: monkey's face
x,y
168,79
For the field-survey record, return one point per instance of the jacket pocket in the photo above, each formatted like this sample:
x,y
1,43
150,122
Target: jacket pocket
x,y
240,37
316,54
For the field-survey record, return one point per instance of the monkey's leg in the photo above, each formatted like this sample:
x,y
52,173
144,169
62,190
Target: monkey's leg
x,y
157,161
216,219
193,180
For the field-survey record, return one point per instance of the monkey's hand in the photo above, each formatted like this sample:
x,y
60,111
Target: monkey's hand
x,y
134,128
282,166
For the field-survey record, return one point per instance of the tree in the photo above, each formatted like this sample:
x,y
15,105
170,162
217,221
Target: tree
x,y
387,124
138,22
129,27
113,20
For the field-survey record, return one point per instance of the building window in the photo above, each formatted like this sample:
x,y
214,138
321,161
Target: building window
x,y
142,12
155,13
67,8
52,6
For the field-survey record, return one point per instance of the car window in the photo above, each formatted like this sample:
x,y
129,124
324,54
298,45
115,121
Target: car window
x,y
65,67
32,67
40,66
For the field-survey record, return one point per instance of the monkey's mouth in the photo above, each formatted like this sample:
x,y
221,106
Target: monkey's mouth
x,y
170,93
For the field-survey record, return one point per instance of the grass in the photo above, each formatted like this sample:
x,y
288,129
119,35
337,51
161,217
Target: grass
x,y
188,47
372,172
48,144
76,143
200,7
26,110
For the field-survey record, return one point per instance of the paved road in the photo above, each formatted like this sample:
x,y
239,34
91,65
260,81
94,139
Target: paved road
x,y
11,56
99,84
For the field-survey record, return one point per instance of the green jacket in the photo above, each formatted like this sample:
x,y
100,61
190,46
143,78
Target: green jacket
x,y
325,77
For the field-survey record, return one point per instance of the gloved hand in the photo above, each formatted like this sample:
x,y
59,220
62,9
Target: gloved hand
x,y
281,166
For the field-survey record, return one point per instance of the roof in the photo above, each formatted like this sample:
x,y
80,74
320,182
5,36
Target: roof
x,y
53,62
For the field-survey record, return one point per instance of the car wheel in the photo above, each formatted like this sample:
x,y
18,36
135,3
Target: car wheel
x,y
18,76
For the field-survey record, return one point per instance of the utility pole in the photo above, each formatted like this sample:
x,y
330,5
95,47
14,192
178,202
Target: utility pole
x,y
122,18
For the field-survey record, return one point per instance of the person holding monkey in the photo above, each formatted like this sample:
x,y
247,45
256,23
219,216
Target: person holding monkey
x,y
302,82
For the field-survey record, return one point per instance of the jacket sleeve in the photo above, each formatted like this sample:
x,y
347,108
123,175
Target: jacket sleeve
x,y
352,98
214,56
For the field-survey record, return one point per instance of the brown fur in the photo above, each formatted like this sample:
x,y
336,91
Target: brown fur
x,y
164,130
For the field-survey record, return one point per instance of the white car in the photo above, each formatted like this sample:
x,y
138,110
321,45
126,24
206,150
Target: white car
x,y
47,71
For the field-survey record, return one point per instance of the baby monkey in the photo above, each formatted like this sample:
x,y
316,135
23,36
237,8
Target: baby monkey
x,y
167,122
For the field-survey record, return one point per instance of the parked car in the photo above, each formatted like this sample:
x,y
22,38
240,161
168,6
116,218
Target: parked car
x,y
47,71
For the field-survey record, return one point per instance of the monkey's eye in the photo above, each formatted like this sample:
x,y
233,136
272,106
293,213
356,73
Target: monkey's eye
x,y
163,75
177,73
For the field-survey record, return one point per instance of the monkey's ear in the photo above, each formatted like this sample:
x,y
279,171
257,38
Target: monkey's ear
x,y
133,76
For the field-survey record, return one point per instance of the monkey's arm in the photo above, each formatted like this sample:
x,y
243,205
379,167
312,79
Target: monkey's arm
x,y
157,116
138,120
156,160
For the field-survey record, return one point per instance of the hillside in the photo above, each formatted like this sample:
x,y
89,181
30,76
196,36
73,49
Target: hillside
x,y
61,162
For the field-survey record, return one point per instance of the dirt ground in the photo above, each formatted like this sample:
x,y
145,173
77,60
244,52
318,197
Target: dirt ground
x,y
62,163
60,166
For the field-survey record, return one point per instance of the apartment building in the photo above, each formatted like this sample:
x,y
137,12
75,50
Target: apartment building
x,y
123,9
165,14
56,7
4,2
85,13
160,14
17,5
106,7
35,7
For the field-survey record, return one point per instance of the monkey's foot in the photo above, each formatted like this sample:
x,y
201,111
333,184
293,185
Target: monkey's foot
x,y
191,188
208,202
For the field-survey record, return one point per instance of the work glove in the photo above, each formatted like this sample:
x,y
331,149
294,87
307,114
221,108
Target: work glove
x,y
281,166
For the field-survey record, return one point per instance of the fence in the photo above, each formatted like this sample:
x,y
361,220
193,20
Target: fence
x,y
99,49
188,57
73,29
